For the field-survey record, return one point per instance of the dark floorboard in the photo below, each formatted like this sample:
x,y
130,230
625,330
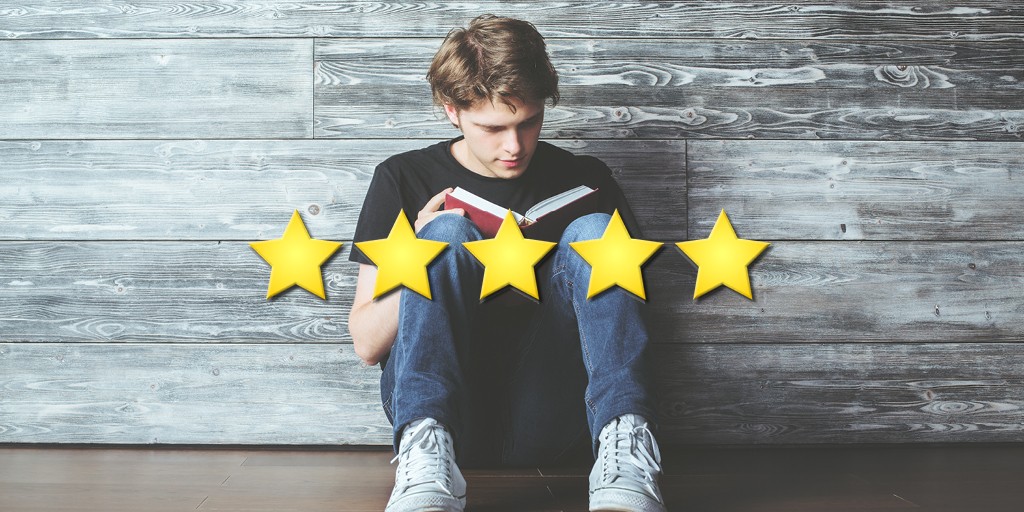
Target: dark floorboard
x,y
947,478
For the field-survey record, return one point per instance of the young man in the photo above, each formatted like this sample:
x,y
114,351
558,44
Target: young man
x,y
509,382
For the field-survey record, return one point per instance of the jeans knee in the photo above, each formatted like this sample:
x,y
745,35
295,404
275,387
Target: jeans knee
x,y
587,227
451,228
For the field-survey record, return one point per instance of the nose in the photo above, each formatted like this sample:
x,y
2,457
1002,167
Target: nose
x,y
512,143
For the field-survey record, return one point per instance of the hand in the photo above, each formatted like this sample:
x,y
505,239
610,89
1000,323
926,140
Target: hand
x,y
430,211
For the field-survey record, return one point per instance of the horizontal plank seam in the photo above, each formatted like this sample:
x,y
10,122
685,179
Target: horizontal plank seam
x,y
349,242
975,39
657,343
584,139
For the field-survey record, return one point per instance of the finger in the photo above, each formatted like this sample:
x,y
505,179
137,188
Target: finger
x,y
457,211
435,202
425,218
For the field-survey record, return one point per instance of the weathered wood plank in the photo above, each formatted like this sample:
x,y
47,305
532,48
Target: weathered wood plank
x,y
156,88
841,393
132,309
246,189
745,64
187,393
805,292
795,100
711,115
858,190
164,292
322,394
708,89
758,19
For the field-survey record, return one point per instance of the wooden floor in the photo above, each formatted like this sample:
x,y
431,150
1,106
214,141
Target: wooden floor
x,y
972,478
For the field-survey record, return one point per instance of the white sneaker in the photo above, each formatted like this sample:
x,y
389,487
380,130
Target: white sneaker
x,y
427,478
625,475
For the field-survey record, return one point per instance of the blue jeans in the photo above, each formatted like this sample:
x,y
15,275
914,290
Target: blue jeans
x,y
516,385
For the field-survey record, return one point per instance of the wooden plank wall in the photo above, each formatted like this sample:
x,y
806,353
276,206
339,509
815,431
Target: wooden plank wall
x,y
876,145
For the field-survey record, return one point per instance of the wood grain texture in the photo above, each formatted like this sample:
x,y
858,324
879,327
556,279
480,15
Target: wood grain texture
x,y
322,394
993,20
807,292
246,189
704,89
156,88
188,393
164,292
845,393
132,309
813,190
882,478
810,292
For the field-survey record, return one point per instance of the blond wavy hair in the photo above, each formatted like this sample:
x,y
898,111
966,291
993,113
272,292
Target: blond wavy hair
x,y
496,59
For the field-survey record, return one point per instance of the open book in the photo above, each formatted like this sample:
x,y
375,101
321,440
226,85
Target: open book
x,y
543,221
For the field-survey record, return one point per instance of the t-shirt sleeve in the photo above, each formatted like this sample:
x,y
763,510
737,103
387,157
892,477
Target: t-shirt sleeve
x,y
613,199
380,209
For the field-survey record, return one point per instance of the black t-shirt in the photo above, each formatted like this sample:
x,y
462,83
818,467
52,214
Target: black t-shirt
x,y
406,181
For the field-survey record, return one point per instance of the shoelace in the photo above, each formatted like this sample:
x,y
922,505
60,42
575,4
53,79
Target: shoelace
x,y
426,453
632,461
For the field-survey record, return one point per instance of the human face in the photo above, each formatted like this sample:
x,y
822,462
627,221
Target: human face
x,y
497,143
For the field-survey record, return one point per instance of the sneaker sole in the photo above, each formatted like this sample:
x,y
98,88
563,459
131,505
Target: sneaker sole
x,y
427,504
611,501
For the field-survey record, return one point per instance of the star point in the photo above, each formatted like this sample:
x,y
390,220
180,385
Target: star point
x,y
295,259
722,259
616,259
509,259
401,259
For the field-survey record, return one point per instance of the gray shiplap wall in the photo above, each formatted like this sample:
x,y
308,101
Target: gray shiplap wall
x,y
876,145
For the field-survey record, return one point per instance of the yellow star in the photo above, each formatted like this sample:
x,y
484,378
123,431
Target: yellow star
x,y
295,259
401,259
509,259
616,258
722,258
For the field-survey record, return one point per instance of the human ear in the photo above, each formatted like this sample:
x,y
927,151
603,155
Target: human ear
x,y
453,114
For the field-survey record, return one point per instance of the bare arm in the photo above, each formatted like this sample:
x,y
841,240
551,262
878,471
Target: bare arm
x,y
373,324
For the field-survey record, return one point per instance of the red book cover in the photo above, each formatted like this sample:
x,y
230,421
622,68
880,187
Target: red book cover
x,y
544,221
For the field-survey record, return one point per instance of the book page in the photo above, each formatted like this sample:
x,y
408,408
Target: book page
x,y
483,204
555,202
